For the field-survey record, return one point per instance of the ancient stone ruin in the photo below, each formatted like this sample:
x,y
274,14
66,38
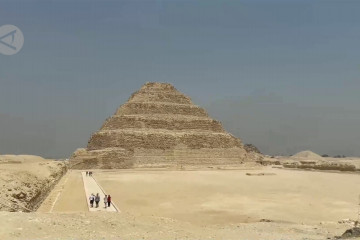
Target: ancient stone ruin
x,y
159,127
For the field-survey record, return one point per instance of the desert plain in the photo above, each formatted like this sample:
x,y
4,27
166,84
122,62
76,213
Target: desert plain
x,y
252,202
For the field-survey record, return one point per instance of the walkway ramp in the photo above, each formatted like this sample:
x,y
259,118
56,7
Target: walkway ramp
x,y
91,186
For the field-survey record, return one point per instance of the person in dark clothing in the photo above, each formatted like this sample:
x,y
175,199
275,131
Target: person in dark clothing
x,y
109,200
92,198
97,199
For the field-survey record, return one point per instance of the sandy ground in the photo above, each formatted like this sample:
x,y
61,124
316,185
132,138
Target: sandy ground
x,y
114,226
68,196
214,204
73,197
223,197
25,180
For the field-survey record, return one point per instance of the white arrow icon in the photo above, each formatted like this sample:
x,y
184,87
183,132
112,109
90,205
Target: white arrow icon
x,y
11,39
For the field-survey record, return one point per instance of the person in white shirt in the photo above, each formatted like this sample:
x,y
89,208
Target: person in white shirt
x,y
105,201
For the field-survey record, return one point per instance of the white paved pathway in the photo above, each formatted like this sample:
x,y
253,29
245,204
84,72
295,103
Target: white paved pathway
x,y
91,186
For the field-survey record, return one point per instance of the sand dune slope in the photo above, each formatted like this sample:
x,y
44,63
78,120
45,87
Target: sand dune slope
x,y
25,181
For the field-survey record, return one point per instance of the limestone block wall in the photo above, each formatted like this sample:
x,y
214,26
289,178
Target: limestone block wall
x,y
185,156
178,122
107,158
160,140
160,108
156,96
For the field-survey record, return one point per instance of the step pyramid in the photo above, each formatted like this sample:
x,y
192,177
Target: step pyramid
x,y
159,126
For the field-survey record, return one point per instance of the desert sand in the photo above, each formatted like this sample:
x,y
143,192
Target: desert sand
x,y
223,197
26,180
112,226
199,204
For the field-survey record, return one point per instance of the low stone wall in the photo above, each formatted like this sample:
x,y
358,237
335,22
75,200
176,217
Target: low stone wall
x,y
322,166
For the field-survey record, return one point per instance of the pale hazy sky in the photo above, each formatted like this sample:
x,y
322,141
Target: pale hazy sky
x,y
283,75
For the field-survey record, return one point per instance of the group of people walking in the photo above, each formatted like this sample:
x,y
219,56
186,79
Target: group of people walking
x,y
89,173
96,198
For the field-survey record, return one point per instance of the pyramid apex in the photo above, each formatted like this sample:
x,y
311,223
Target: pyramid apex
x,y
157,85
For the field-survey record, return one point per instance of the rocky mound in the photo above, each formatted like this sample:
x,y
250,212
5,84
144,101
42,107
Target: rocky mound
x,y
351,233
254,153
26,180
251,148
307,155
160,126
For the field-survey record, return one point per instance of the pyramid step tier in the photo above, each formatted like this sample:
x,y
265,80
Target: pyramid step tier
x,y
160,108
170,122
103,158
164,139
185,157
159,96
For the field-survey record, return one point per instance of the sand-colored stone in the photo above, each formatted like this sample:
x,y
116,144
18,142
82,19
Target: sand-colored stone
x,y
311,161
106,158
26,180
160,126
